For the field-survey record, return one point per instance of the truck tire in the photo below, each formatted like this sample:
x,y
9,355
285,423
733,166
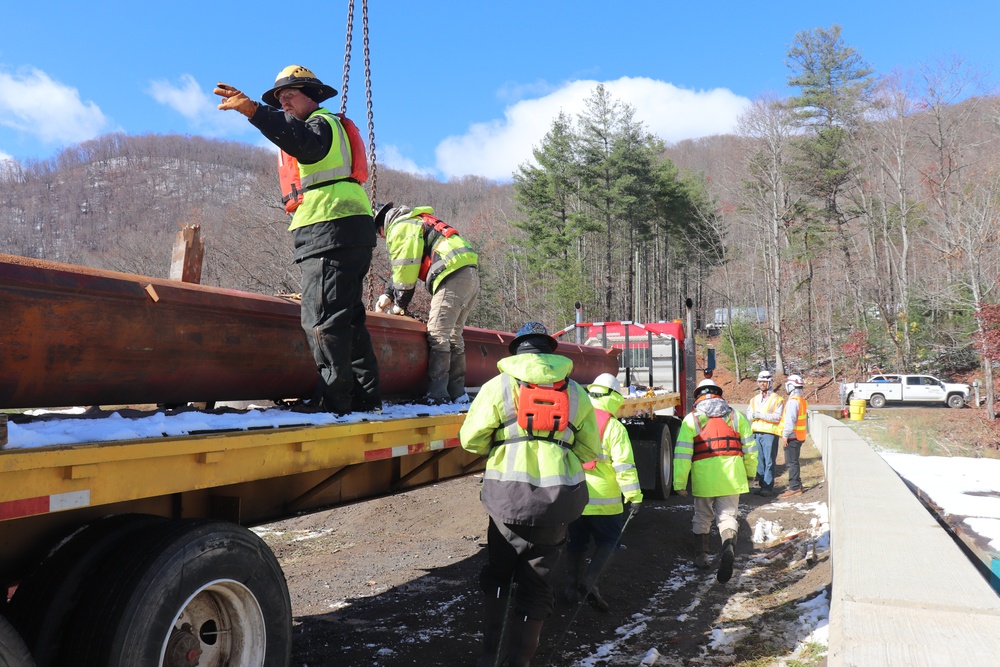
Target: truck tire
x,y
188,592
653,450
46,598
877,401
956,401
13,651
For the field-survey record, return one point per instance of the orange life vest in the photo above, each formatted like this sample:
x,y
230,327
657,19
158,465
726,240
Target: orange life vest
x,y
716,438
543,407
291,179
433,228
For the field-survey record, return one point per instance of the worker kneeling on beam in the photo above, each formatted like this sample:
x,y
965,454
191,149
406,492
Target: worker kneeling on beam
x,y
716,447
422,247
537,428
609,477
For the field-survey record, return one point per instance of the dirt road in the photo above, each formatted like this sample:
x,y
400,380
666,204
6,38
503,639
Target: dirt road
x,y
393,582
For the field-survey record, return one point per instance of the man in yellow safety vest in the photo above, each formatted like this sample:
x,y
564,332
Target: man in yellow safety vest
x,y
764,412
333,231
715,446
423,247
537,428
612,476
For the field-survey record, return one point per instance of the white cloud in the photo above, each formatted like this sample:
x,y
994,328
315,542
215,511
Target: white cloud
x,y
496,148
5,156
200,108
391,157
34,104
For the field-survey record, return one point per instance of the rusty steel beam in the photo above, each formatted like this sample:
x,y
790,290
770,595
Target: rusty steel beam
x,y
71,335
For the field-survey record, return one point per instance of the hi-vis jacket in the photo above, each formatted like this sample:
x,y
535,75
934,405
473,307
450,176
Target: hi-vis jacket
x,y
529,481
768,408
714,476
420,249
614,473
329,194
793,424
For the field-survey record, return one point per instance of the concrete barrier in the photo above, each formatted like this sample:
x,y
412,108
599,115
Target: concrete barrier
x,y
904,594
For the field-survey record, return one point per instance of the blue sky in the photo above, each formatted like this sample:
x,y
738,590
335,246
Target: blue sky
x,y
459,86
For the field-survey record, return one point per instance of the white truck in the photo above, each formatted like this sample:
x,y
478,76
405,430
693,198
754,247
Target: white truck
x,y
882,389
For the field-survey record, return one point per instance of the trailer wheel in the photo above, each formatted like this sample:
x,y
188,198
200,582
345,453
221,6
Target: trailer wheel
x,y
193,592
877,401
13,651
956,401
46,598
653,450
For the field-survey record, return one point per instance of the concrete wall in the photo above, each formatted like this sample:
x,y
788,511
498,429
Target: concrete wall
x,y
904,594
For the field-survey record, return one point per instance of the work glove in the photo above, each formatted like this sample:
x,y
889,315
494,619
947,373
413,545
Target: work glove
x,y
634,507
396,310
683,493
235,99
751,415
383,304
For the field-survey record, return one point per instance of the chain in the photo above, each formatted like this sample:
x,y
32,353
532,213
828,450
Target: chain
x,y
373,166
347,54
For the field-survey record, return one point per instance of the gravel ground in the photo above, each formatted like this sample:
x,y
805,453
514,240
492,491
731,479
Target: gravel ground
x,y
393,581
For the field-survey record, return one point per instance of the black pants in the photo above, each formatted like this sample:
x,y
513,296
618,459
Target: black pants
x,y
333,316
526,555
792,449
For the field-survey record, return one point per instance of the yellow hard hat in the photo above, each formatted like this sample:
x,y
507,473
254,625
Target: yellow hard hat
x,y
297,76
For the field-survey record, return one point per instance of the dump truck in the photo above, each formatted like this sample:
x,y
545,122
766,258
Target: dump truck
x,y
138,552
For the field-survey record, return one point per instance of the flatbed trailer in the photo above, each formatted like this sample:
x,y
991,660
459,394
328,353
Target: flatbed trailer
x,y
136,553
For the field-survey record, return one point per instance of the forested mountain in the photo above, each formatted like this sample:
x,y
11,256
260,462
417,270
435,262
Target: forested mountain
x,y
862,212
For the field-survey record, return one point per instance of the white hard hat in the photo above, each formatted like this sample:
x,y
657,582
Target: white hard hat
x,y
795,381
608,381
707,386
764,376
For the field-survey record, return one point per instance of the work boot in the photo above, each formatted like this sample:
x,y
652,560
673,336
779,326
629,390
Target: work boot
x,y
524,637
437,377
727,556
577,564
494,613
598,563
701,551
456,375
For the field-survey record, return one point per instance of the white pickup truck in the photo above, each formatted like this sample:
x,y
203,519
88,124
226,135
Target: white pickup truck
x,y
882,389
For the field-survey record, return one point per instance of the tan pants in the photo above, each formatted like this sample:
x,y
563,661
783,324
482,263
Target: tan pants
x,y
723,509
451,306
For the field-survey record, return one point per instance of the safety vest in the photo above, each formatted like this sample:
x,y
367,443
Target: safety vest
x,y
329,189
771,405
603,416
800,422
539,412
422,247
715,438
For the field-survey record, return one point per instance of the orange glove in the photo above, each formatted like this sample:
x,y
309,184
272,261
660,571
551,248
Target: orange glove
x,y
235,99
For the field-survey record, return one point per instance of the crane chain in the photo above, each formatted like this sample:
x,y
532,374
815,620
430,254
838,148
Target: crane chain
x,y
373,167
347,56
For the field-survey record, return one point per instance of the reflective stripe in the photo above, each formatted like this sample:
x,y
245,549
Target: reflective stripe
x,y
541,482
630,487
406,261
679,454
604,501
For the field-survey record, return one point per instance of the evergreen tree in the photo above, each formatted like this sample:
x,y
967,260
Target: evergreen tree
x,y
836,88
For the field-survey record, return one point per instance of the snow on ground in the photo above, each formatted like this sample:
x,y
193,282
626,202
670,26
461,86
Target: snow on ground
x,y
810,625
69,431
961,487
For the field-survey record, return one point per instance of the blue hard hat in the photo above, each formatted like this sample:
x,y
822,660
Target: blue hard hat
x,y
529,329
